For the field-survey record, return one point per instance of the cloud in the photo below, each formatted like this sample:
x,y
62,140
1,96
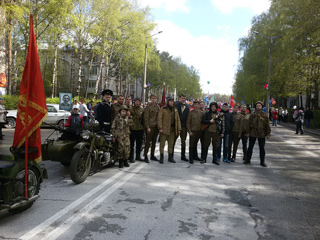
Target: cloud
x,y
216,59
168,5
227,6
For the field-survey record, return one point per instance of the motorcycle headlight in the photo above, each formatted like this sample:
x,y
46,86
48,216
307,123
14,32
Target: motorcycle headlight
x,y
85,135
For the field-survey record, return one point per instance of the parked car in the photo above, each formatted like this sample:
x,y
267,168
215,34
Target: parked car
x,y
55,116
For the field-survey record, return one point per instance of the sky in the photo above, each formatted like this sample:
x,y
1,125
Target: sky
x,y
205,34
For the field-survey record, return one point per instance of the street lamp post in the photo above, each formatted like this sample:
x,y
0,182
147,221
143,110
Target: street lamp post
x,y
145,70
269,72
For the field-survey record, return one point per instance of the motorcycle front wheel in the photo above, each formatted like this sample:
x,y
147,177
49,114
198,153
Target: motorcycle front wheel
x,y
18,188
80,167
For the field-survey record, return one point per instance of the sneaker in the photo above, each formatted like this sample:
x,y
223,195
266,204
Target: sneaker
x,y
218,159
226,160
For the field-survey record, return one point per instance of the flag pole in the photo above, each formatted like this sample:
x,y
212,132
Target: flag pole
x,y
27,118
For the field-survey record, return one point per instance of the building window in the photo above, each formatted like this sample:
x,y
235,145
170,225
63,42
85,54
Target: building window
x,y
94,71
131,87
96,59
82,72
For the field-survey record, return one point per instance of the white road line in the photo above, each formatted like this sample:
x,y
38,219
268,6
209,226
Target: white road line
x,y
43,226
85,211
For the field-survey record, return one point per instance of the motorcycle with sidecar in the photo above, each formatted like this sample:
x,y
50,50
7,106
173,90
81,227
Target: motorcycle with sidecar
x,y
12,180
92,149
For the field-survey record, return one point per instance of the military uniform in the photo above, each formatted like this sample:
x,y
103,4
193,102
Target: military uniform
x,y
183,110
104,112
121,131
194,126
116,107
258,127
211,134
169,122
150,121
136,131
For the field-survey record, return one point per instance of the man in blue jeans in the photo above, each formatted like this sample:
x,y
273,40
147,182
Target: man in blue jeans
x,y
227,121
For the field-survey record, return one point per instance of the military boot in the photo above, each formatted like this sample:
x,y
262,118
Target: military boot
x,y
125,163
161,158
190,155
146,159
154,158
120,163
195,155
138,157
204,154
183,154
263,164
170,159
214,160
131,157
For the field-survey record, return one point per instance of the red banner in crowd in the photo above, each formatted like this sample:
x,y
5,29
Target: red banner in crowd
x,y
163,100
232,102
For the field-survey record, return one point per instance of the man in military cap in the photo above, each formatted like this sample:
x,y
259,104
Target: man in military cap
x,y
150,124
169,126
117,106
104,111
136,136
194,128
259,127
183,110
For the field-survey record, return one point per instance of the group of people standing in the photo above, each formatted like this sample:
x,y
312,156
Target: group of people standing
x,y
129,124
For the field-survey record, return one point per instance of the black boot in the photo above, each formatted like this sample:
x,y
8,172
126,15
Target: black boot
x,y
195,155
263,164
146,159
131,157
214,160
154,158
120,163
170,159
125,163
183,154
204,153
190,156
138,157
161,158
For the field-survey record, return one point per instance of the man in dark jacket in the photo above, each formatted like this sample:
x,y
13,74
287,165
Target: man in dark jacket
x,y
104,111
227,121
183,110
308,116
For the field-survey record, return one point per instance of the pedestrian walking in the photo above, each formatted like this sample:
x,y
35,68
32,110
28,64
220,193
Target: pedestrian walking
x,y
183,110
151,129
120,130
194,129
84,111
299,121
3,116
136,136
104,111
259,128
308,116
213,128
227,121
169,126
274,114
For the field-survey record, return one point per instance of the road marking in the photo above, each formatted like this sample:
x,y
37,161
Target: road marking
x,y
57,231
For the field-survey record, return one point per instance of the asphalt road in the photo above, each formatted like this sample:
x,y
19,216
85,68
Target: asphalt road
x,y
181,201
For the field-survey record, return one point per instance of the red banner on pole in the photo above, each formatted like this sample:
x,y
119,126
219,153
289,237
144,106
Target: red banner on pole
x,y
32,109
232,102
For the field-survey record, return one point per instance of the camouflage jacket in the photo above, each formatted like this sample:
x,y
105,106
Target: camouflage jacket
x,y
121,127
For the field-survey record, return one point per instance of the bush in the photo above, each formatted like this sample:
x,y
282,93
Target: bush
x,y
315,122
53,100
10,102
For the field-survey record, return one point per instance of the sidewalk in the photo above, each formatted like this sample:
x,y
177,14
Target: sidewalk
x,y
305,129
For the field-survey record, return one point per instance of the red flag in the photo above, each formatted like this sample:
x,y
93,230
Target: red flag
x,y
232,102
32,109
163,100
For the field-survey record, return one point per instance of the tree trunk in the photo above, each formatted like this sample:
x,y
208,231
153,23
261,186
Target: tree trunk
x,y
79,73
99,77
86,94
14,63
9,51
54,71
107,73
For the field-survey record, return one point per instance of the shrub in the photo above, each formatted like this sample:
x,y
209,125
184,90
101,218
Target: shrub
x,y
11,102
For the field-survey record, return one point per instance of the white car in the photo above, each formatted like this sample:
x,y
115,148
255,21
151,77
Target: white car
x,y
55,116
